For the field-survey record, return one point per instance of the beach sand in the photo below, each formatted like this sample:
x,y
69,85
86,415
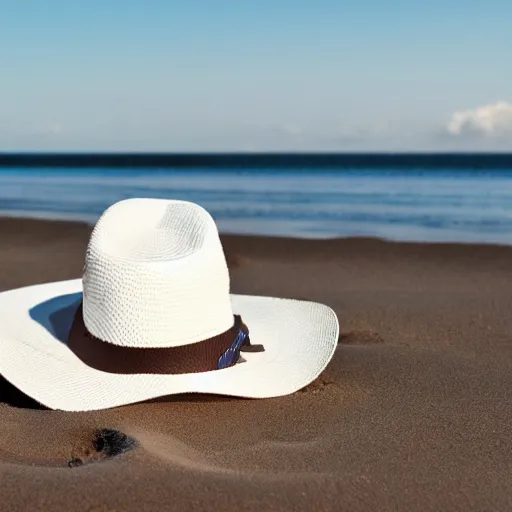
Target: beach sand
x,y
413,413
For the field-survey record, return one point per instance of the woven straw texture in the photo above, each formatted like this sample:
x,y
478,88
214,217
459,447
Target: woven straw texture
x,y
299,338
156,276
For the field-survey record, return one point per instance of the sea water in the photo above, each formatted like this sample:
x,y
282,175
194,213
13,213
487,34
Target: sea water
x,y
414,204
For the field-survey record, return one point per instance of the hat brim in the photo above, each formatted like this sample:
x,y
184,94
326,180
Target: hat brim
x,y
299,338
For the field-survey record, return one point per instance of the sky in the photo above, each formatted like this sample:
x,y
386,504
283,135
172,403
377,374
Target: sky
x,y
255,75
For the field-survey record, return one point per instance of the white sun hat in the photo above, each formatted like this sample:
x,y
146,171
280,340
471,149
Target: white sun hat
x,y
153,316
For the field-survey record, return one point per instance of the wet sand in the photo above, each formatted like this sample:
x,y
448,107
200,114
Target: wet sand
x,y
413,413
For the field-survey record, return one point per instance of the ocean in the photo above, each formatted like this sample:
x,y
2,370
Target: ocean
x,y
409,197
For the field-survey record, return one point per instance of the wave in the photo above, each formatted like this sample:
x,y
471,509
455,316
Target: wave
x,y
431,207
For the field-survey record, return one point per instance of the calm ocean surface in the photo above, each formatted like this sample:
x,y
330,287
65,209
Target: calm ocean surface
x,y
422,204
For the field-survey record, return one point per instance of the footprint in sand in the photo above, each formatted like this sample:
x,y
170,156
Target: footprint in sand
x,y
105,444
98,445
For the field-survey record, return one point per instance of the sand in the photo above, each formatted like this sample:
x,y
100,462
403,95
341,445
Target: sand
x,y
413,413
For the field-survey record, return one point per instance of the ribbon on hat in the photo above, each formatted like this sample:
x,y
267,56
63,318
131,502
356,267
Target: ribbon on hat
x,y
197,357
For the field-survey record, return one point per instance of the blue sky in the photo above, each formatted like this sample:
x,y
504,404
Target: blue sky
x,y
215,75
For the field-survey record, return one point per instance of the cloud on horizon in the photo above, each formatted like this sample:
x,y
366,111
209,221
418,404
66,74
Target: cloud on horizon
x,y
493,120
485,128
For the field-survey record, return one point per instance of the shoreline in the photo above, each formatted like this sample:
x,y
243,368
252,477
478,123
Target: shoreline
x,y
427,206
231,235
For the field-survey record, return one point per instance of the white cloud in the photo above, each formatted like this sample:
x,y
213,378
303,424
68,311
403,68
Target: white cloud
x,y
488,120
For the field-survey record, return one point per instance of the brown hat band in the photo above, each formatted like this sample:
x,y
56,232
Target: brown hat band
x,y
197,357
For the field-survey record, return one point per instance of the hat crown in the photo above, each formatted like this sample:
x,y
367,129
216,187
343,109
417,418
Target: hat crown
x,y
155,275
